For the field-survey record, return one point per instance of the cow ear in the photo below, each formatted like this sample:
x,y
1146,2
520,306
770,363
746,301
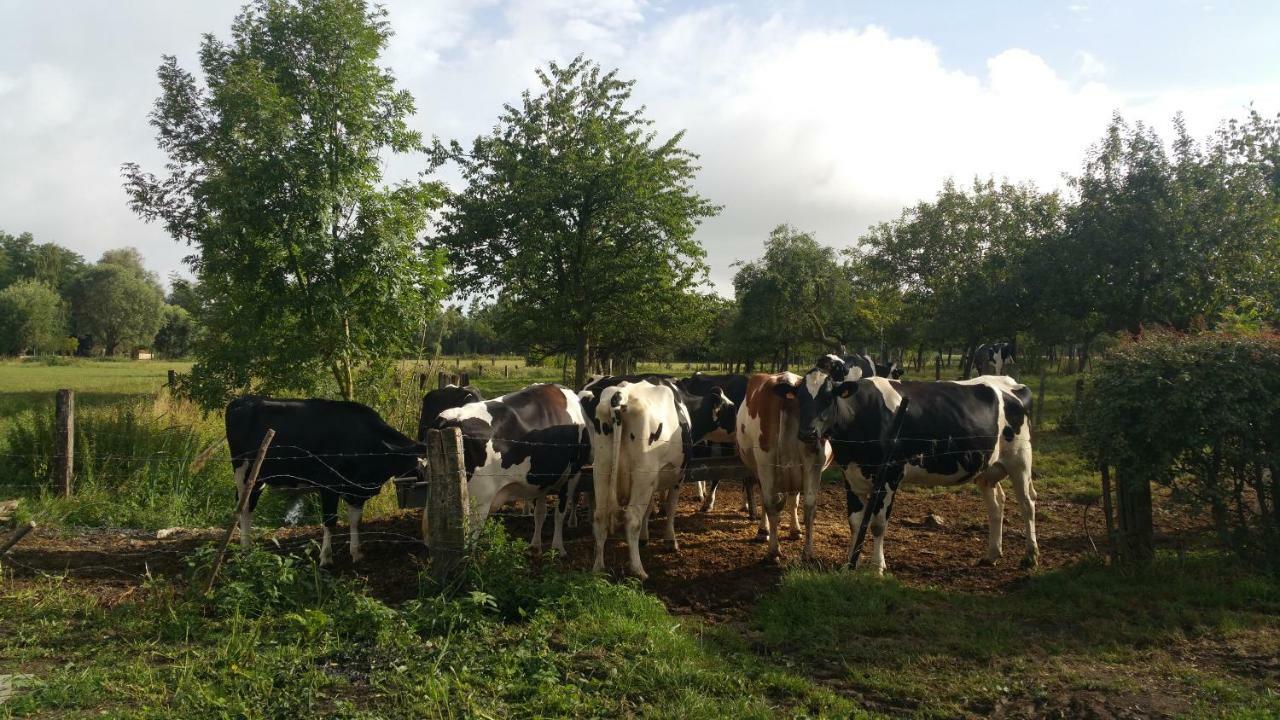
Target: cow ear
x,y
784,390
846,388
853,374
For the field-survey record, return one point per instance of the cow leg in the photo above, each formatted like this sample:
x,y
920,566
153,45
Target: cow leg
x,y
599,528
637,520
810,510
772,515
709,503
748,497
241,473
792,511
329,513
568,499
1026,493
353,521
993,494
539,517
702,490
879,523
673,501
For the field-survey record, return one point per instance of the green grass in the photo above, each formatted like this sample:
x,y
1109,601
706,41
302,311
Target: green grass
x,y
945,654
279,639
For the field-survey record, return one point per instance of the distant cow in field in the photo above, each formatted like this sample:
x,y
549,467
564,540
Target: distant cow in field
x,y
521,446
995,358
769,443
340,449
640,443
953,433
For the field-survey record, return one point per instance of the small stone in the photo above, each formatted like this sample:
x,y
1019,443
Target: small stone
x,y
933,520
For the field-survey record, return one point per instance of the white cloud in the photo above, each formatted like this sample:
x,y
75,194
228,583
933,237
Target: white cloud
x,y
826,127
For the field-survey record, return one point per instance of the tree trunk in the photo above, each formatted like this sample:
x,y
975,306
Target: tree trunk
x,y
968,358
580,361
1133,498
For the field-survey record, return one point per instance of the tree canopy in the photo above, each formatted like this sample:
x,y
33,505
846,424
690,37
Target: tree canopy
x,y
32,319
578,217
307,264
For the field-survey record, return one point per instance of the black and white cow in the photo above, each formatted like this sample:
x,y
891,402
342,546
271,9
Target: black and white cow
x,y
521,446
441,399
717,444
891,371
995,358
340,449
954,432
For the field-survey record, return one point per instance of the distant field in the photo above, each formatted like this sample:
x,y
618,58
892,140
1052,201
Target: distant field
x,y
27,384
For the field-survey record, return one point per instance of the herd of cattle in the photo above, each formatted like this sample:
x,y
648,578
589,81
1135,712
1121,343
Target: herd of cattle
x,y
637,434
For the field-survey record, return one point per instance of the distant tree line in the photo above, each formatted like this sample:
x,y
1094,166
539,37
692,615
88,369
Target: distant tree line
x,y
53,302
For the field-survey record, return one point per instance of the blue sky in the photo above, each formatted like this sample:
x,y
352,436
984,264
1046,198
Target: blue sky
x,y
828,116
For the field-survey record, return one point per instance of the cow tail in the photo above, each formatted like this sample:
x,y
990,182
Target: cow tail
x,y
619,412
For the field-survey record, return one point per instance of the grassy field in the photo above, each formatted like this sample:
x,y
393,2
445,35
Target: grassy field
x,y
1196,635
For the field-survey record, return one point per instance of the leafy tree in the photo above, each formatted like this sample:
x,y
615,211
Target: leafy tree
x,y
116,307
21,258
184,293
308,265
575,213
176,333
130,259
32,318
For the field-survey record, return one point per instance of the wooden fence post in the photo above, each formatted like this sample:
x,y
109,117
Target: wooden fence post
x,y
65,439
464,379
173,378
250,481
506,370
937,367
442,379
1039,413
448,506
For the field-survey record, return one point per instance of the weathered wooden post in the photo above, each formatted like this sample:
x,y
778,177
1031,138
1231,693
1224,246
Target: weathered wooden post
x,y
173,379
1108,512
422,381
17,536
245,493
448,506
464,379
506,370
937,367
65,440
442,379
1039,413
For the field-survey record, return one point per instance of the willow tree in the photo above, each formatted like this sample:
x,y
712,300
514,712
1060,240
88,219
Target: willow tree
x,y
310,266
576,213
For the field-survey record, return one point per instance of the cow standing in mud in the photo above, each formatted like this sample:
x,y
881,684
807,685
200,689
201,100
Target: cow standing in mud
x,y
952,433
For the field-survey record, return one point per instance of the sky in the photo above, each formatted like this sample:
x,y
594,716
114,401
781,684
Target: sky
x,y
828,116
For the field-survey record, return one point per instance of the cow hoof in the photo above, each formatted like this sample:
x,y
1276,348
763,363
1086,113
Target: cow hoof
x,y
794,535
642,575
987,562
1030,561
356,557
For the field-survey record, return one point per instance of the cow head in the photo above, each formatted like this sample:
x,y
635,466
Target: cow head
x,y
817,394
445,398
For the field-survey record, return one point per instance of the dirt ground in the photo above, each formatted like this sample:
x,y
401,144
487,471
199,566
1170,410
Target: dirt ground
x,y
718,573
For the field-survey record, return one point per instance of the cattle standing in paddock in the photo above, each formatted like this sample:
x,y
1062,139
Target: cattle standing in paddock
x,y
768,440
340,449
521,446
734,389
640,442
995,358
953,432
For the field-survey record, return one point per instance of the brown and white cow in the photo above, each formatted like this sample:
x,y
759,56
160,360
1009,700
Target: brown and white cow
x,y
769,444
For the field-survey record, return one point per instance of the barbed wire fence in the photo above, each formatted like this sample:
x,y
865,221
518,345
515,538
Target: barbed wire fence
x,y
444,483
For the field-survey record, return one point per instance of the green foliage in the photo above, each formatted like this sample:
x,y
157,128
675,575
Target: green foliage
x,y
1200,413
32,319
21,258
308,267
118,305
578,219
176,335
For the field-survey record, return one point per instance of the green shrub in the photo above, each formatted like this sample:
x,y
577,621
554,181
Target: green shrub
x,y
1201,414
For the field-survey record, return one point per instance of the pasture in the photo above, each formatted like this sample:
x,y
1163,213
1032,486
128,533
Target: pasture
x,y
97,616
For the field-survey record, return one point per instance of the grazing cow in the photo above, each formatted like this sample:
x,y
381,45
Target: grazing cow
x,y
342,449
734,388
769,443
522,445
953,432
891,371
995,358
445,398
640,442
